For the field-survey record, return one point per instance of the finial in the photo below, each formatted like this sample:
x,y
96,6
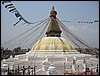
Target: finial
x,y
53,13
53,8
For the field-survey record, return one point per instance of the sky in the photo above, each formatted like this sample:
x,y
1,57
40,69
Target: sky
x,y
66,10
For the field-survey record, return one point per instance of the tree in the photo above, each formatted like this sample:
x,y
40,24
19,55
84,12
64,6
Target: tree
x,y
2,48
16,50
29,49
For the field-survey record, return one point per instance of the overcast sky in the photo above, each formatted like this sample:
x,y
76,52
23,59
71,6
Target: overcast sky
x,y
67,10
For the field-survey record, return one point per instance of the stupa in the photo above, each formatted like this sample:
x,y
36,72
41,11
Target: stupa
x,y
53,50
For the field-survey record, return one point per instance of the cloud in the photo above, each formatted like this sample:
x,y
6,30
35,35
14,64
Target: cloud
x,y
88,33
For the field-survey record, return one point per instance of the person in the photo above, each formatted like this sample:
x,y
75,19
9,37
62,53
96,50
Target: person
x,y
84,61
28,70
74,61
23,70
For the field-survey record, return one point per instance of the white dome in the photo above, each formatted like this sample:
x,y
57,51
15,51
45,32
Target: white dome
x,y
53,43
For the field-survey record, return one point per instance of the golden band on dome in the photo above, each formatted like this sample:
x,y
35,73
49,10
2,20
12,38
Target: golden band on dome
x,y
53,43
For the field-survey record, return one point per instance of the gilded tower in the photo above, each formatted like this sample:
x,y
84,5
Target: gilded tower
x,y
53,29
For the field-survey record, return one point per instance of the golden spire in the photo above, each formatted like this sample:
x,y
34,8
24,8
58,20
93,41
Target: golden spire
x,y
53,8
53,28
53,13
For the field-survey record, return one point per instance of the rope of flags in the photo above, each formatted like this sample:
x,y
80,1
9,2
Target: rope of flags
x,y
74,38
81,21
13,9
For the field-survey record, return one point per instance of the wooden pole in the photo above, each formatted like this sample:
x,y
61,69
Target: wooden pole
x,y
13,69
97,70
86,70
34,70
18,69
78,69
8,69
64,68
71,69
